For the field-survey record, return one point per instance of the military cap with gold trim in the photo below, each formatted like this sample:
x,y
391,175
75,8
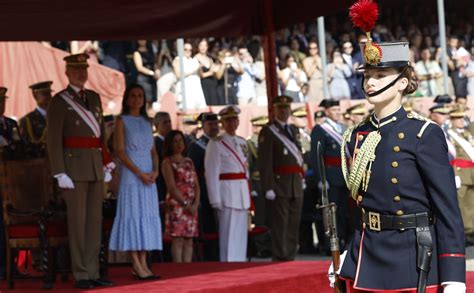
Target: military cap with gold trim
x,y
230,111
259,120
358,109
299,112
77,60
440,108
189,119
3,92
282,101
458,112
44,86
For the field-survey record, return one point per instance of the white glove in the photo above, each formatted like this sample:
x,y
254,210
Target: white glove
x,y
332,274
64,181
270,194
320,185
457,179
107,176
454,287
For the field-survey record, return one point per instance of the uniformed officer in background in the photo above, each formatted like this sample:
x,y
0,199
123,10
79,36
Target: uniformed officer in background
x,y
197,151
33,124
329,134
228,189
280,163
463,165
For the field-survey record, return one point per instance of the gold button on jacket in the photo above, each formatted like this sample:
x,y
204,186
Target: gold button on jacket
x,y
396,148
394,180
400,213
401,135
394,164
396,198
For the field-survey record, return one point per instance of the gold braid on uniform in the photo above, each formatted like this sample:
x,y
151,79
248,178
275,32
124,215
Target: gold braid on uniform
x,y
360,172
29,128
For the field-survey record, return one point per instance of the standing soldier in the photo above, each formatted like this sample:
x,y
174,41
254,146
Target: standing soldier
x,y
227,186
33,125
329,134
80,162
308,212
464,169
410,238
280,163
252,143
197,152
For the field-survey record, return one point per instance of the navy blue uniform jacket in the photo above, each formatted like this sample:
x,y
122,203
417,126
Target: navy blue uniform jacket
x,y
410,174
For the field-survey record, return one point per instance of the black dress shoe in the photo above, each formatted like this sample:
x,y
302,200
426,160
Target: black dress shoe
x,y
83,284
101,283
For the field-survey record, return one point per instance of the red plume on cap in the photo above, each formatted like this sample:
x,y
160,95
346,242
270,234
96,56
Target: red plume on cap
x,y
364,14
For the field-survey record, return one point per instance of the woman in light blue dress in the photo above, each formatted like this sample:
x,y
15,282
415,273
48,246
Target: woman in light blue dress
x,y
137,225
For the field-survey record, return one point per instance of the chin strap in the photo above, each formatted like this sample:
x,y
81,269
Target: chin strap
x,y
385,87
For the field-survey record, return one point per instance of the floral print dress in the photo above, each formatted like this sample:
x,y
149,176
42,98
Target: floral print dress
x,y
179,222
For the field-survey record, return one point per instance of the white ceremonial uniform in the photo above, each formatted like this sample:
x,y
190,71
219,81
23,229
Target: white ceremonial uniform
x,y
225,158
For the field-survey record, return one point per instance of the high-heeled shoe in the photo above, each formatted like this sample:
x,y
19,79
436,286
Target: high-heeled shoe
x,y
146,278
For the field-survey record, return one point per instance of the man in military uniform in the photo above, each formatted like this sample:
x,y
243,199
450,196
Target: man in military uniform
x,y
162,122
80,162
197,152
329,134
252,143
308,212
439,114
463,165
280,163
226,168
33,124
357,113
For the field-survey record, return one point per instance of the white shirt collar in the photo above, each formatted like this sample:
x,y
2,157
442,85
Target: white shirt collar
x,y
41,110
75,88
283,124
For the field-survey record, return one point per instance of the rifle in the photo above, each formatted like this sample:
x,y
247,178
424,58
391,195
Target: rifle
x,y
329,219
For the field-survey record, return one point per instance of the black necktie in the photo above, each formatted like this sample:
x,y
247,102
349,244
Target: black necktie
x,y
288,130
82,94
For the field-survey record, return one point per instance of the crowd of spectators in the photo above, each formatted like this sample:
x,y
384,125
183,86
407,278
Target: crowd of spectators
x,y
221,71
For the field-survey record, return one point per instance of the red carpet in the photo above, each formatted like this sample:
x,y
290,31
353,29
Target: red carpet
x,y
288,277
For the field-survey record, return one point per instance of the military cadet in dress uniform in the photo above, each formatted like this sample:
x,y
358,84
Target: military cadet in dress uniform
x,y
463,165
33,124
280,163
411,237
228,187
80,162
197,151
329,134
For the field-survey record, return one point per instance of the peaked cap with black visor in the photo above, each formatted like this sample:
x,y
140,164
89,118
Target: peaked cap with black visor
x,y
364,14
